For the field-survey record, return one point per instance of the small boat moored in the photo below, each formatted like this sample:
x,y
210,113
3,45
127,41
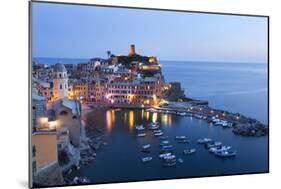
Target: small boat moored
x,y
189,151
139,127
180,137
180,160
164,143
141,135
225,153
204,140
158,134
146,159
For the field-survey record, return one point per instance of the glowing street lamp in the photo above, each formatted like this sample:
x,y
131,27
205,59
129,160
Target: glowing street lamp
x,y
52,124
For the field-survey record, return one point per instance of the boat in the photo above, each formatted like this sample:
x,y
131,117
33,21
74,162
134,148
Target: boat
x,y
225,153
153,126
213,144
164,143
146,159
158,134
180,137
204,140
198,116
221,148
182,113
141,135
139,127
167,147
180,160
169,157
157,131
189,151
145,147
227,125
164,155
80,180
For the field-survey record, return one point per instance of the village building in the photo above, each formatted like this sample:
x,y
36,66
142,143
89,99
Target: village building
x,y
60,81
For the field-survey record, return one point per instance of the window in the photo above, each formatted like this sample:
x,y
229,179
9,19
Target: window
x,y
60,86
60,75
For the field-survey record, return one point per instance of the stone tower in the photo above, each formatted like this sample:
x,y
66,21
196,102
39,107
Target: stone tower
x,y
60,80
132,50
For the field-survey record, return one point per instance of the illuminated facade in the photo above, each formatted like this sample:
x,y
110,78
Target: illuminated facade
x,y
146,91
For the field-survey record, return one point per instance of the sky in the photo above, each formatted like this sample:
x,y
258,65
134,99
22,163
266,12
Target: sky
x,y
76,31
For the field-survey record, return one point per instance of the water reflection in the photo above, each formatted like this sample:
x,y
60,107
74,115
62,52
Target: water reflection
x,y
154,117
131,119
166,119
110,119
147,116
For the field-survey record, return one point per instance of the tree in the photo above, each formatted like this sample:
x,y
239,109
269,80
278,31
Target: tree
x,y
108,52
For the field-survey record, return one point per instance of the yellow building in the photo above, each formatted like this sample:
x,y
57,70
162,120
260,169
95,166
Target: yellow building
x,y
45,148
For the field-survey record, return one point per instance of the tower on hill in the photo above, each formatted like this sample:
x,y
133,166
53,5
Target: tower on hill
x,y
132,50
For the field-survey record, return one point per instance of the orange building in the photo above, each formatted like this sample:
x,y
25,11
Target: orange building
x,y
45,148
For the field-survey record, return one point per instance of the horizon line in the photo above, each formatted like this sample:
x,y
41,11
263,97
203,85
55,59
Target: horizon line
x,y
201,61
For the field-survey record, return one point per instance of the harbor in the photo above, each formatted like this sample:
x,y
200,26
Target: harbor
x,y
121,129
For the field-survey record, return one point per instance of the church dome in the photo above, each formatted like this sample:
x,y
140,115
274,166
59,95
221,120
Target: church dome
x,y
59,68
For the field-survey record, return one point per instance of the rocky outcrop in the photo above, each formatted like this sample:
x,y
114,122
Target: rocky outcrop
x,y
256,129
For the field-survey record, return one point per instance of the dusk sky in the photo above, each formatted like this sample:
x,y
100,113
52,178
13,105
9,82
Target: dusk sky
x,y
68,31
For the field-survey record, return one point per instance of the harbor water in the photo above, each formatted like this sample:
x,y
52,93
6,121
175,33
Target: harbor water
x,y
234,87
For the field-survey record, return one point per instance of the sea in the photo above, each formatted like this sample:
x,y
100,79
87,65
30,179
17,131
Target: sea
x,y
235,87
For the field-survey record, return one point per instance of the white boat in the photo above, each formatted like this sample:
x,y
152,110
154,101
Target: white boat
x,y
225,153
180,137
213,144
158,134
189,151
141,135
164,143
154,127
164,155
167,147
139,127
145,147
146,159
217,149
182,113
170,157
180,160
204,140
157,131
